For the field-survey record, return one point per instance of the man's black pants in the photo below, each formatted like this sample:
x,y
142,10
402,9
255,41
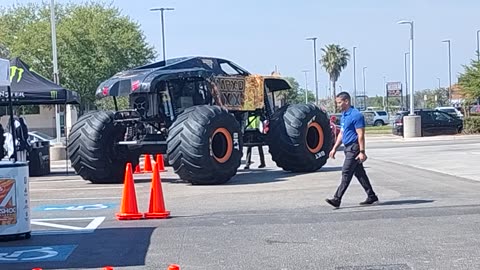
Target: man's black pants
x,y
352,166
260,152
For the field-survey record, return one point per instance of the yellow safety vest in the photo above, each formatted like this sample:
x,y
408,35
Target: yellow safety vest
x,y
254,122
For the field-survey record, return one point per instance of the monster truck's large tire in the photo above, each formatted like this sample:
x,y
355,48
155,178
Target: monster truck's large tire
x,y
91,149
205,145
300,138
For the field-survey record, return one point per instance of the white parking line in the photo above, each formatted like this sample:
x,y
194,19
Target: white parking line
x,y
55,181
72,199
87,188
90,228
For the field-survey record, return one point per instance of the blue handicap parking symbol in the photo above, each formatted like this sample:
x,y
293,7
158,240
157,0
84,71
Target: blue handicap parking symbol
x,y
35,253
94,206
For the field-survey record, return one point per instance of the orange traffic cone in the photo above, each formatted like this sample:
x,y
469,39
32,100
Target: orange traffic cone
x,y
147,166
161,164
156,208
137,169
173,267
129,209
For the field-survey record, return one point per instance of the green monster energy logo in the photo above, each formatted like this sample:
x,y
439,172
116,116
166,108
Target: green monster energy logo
x,y
13,72
53,94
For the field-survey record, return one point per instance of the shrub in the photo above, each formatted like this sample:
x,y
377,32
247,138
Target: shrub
x,y
471,125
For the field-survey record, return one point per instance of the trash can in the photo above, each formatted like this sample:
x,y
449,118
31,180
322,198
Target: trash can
x,y
39,157
14,200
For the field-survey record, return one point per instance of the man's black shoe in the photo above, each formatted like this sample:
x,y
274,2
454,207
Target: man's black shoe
x,y
370,200
333,202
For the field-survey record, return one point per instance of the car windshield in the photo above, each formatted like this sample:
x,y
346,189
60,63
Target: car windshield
x,y
449,110
42,135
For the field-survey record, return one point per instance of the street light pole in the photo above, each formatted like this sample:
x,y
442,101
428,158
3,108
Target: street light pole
x,y
163,28
449,70
411,65
406,84
438,82
315,66
306,86
412,124
478,45
384,92
354,78
364,88
55,66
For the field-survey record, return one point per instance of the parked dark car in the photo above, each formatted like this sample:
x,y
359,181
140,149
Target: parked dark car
x,y
434,122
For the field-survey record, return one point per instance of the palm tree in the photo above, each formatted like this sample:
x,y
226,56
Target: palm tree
x,y
334,60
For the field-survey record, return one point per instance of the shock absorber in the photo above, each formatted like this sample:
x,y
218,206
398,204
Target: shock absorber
x,y
129,133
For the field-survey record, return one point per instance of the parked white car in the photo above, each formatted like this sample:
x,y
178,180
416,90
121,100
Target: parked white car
x,y
34,136
376,118
451,110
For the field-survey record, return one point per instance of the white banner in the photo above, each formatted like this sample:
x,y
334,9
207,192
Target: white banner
x,y
4,72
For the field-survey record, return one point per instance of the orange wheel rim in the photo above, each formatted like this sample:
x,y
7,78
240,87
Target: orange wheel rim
x,y
221,145
315,137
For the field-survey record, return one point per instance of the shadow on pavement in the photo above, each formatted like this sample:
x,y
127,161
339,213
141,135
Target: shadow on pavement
x,y
147,178
259,176
331,169
386,203
105,247
253,175
403,202
60,173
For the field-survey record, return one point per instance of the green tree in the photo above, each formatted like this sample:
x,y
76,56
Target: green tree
x,y
301,96
109,104
470,81
94,42
4,53
430,103
290,95
296,94
334,60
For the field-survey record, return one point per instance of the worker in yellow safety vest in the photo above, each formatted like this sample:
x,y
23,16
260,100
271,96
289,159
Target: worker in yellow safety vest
x,y
255,123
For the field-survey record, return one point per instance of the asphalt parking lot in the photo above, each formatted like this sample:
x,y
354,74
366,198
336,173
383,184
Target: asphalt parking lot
x,y
428,218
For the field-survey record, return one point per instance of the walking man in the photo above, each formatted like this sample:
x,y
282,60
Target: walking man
x,y
352,135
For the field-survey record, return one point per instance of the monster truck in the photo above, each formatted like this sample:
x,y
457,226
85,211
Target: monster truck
x,y
195,110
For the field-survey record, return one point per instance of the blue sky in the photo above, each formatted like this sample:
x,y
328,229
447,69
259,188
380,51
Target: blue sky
x,y
259,35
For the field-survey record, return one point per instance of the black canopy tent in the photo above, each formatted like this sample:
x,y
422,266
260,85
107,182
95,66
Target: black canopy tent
x,y
30,88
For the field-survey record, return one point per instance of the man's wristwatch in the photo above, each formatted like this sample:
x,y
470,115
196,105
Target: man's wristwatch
x,y
362,151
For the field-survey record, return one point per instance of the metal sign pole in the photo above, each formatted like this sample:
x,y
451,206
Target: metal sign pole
x,y
5,81
12,123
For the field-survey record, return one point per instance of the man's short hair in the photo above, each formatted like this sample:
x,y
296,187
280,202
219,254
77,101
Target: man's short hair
x,y
344,96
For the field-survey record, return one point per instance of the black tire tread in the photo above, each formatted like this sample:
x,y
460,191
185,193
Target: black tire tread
x,y
285,138
88,149
188,146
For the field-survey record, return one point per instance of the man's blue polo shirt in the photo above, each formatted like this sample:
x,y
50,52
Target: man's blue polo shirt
x,y
351,120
